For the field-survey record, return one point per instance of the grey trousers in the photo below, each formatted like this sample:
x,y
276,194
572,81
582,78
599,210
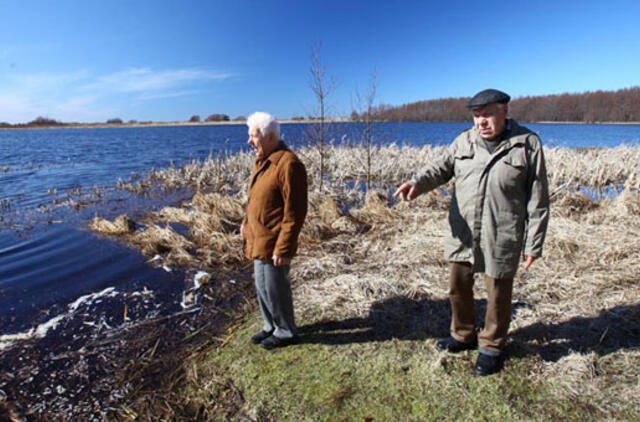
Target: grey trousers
x,y
274,298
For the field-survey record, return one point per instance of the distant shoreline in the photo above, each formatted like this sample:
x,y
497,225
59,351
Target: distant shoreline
x,y
585,123
118,125
152,124
242,122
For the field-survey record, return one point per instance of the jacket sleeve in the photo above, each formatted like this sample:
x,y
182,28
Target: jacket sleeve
x,y
436,173
293,185
246,206
537,200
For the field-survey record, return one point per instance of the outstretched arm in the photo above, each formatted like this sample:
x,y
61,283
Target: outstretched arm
x,y
434,174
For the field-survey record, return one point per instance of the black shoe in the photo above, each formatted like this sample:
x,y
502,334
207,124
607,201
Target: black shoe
x,y
272,342
487,364
257,339
454,346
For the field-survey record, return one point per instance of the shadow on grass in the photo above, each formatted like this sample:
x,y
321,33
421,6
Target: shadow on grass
x,y
611,330
401,318
398,317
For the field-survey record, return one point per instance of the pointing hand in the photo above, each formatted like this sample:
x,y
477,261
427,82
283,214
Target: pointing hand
x,y
406,192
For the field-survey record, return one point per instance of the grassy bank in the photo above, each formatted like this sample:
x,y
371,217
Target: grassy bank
x,y
370,293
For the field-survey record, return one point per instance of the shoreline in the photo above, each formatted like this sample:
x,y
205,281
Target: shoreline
x,y
155,124
120,125
544,122
283,121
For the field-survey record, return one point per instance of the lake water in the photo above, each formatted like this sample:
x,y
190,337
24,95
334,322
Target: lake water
x,y
46,264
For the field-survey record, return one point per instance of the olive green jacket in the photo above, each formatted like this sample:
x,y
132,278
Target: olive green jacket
x,y
500,201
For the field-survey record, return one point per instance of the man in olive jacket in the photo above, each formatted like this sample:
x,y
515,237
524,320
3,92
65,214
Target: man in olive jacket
x,y
275,212
499,212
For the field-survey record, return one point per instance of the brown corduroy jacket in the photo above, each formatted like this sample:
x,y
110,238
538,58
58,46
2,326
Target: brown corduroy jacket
x,y
277,206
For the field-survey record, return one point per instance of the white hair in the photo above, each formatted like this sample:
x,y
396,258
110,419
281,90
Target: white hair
x,y
265,123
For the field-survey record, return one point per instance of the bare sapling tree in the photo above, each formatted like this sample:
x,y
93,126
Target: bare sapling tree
x,y
365,110
322,86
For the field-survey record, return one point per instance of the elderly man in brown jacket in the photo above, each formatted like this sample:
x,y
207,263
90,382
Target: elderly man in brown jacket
x,y
499,206
275,212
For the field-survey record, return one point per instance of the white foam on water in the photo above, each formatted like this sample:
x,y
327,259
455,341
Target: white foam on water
x,y
197,278
5,345
188,299
42,329
7,340
109,291
144,292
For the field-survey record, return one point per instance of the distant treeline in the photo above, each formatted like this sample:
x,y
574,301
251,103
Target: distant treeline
x,y
599,106
42,121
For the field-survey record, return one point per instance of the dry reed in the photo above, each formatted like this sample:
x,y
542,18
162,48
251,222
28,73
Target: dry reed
x,y
577,307
121,225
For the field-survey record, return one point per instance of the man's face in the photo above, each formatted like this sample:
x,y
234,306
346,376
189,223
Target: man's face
x,y
261,144
489,120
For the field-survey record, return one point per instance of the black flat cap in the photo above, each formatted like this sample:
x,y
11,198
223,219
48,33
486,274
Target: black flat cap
x,y
488,96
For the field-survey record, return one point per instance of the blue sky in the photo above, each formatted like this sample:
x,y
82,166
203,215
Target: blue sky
x,y
161,60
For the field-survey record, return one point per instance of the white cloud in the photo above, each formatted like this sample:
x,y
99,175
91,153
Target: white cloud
x,y
39,83
13,107
81,96
145,80
84,108
164,94
18,108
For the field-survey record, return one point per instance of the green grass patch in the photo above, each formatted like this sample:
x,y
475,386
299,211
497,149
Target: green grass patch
x,y
392,380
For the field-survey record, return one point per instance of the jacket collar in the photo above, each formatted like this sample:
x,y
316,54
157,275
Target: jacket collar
x,y
509,136
274,156
516,130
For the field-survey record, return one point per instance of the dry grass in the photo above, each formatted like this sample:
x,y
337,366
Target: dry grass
x,y
568,169
121,225
379,268
211,226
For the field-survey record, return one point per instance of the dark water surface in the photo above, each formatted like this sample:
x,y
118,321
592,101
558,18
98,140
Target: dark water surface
x,y
47,264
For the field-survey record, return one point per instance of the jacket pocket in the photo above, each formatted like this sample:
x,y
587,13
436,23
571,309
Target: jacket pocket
x,y
517,161
507,235
508,238
511,174
463,152
463,162
264,240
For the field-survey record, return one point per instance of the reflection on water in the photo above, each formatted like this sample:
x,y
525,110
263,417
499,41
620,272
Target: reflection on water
x,y
40,275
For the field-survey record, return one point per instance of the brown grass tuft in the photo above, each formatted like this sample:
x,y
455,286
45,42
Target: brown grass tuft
x,y
628,202
574,204
121,225
160,240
